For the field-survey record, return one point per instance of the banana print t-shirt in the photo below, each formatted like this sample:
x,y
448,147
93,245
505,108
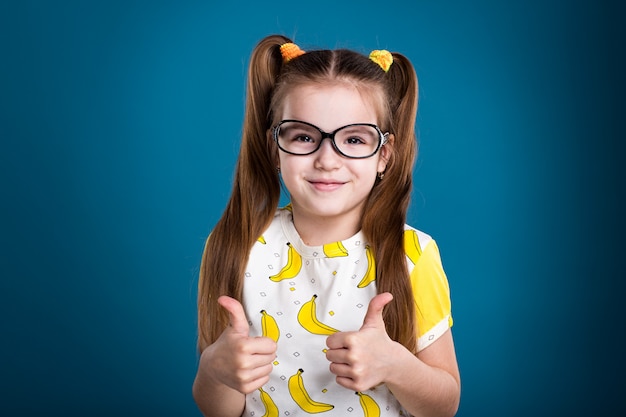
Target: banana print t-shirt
x,y
299,295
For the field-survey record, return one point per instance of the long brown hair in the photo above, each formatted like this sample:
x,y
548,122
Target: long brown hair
x,y
256,188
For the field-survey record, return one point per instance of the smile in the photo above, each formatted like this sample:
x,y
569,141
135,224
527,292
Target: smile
x,y
326,185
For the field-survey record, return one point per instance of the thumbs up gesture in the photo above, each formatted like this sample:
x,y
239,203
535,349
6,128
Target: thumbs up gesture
x,y
236,359
361,359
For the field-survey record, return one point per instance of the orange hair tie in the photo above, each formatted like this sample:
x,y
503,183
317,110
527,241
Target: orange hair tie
x,y
382,58
290,51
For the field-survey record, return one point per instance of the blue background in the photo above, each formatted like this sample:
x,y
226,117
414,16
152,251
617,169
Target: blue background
x,y
119,126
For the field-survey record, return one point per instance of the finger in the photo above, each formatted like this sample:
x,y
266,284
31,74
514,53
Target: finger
x,y
351,384
345,382
255,383
337,355
374,315
263,346
259,362
339,340
341,370
250,380
238,320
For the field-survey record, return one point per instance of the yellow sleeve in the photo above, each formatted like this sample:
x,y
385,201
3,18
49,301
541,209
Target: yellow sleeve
x,y
432,296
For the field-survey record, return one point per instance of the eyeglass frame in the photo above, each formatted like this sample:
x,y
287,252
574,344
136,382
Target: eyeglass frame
x,y
383,138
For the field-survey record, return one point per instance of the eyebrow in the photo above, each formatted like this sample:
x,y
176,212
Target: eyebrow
x,y
312,125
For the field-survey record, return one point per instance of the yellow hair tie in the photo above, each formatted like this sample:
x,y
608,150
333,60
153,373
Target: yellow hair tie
x,y
290,51
382,58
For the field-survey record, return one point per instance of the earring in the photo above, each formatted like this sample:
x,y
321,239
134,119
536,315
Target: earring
x,y
381,175
278,170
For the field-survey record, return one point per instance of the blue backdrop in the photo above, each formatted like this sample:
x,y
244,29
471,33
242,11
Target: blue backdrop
x,y
119,127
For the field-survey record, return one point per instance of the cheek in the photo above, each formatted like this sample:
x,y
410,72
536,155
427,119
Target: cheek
x,y
289,169
286,164
372,166
368,173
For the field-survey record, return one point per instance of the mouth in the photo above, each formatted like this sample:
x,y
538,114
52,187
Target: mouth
x,y
326,185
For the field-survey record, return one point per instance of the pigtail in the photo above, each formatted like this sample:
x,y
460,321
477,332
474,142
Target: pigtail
x,y
253,201
403,87
383,223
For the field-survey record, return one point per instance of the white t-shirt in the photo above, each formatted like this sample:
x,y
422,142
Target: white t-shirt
x,y
300,294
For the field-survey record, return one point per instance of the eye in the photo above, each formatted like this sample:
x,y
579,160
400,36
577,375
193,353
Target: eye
x,y
357,135
355,140
298,133
302,137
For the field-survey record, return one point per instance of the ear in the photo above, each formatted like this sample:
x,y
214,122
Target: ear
x,y
272,145
385,153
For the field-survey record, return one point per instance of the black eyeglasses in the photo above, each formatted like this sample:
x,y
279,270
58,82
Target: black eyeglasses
x,y
357,141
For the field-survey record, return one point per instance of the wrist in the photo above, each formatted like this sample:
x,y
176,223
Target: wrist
x,y
403,361
213,397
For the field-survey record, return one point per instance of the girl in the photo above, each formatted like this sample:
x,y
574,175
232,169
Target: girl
x,y
331,304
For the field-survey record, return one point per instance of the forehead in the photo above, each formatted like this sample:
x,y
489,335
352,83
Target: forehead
x,y
332,105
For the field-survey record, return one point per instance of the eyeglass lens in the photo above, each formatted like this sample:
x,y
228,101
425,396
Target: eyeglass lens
x,y
357,141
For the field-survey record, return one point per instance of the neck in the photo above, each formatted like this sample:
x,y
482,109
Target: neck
x,y
317,231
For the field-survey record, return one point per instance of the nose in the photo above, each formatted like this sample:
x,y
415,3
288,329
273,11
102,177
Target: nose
x,y
327,156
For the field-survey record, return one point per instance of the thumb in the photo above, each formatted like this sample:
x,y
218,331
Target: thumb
x,y
374,315
238,320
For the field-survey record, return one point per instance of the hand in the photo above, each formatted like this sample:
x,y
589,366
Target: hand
x,y
361,359
236,359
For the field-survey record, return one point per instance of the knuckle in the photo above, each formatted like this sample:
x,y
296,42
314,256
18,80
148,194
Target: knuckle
x,y
240,348
241,376
353,358
359,369
247,389
360,387
267,370
351,340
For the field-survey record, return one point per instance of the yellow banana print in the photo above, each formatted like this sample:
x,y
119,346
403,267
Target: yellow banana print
x,y
307,317
334,250
270,407
370,408
261,239
291,268
302,398
269,326
370,274
412,245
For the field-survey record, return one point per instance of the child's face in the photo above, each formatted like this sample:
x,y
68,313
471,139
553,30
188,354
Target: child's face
x,y
326,184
